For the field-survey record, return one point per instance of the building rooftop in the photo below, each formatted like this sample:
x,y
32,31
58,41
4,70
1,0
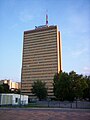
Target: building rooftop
x,y
40,28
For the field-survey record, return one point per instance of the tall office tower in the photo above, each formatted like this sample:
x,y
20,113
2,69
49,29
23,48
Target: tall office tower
x,y
41,57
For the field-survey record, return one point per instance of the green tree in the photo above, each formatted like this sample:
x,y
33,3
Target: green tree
x,y
87,90
79,86
69,86
39,90
1,89
63,87
6,88
55,85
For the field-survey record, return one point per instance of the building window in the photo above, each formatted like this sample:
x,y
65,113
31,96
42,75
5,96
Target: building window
x,y
16,100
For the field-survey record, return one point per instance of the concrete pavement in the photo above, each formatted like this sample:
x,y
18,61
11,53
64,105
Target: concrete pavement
x,y
44,114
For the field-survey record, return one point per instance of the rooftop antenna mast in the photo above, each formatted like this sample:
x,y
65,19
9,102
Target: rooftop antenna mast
x,y
46,19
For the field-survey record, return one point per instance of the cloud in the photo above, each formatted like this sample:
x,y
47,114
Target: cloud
x,y
79,52
25,16
86,71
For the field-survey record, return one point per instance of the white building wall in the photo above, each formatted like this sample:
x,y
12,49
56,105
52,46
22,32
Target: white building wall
x,y
6,99
13,99
24,99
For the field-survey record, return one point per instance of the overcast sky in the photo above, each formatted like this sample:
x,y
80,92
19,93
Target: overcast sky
x,y
72,18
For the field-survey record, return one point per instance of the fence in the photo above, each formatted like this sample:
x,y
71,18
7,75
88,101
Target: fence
x,y
64,104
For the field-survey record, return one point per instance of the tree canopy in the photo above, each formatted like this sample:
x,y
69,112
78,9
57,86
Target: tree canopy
x,y
87,90
68,86
4,88
39,90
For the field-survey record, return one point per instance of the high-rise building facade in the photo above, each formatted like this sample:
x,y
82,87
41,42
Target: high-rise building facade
x,y
41,57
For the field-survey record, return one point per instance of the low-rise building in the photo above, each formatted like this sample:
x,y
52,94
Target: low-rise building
x,y
13,99
12,85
